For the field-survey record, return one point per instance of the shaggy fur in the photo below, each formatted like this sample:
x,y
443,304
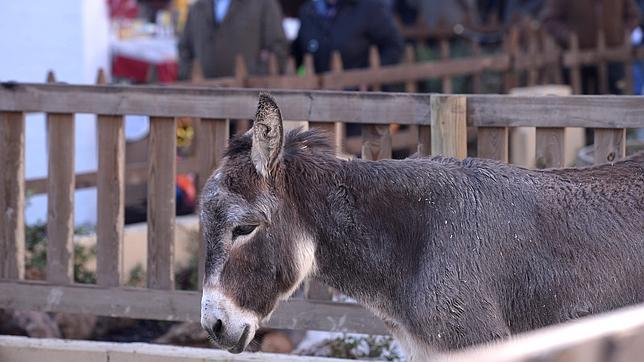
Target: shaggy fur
x,y
449,253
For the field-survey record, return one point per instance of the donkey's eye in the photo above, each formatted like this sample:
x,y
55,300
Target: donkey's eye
x,y
243,230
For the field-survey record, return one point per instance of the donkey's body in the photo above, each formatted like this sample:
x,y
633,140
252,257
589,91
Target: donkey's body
x,y
452,253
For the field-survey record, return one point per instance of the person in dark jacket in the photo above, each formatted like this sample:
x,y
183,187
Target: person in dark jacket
x,y
349,26
216,31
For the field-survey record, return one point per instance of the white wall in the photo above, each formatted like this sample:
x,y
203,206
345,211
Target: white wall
x,y
70,37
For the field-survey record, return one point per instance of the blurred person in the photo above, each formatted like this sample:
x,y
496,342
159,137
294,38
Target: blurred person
x,y
450,13
349,26
216,31
587,18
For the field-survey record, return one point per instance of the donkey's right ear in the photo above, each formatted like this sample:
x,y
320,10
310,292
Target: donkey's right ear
x,y
268,136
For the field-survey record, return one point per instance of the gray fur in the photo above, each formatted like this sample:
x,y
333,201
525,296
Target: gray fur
x,y
449,252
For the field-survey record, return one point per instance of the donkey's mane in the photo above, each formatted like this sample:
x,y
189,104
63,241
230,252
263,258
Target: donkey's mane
x,y
294,141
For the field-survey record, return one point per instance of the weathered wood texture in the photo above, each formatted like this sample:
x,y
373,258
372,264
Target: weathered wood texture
x,y
492,143
610,145
323,106
60,198
315,106
177,306
111,200
24,349
574,111
12,195
617,336
376,142
424,140
331,130
449,130
550,147
161,202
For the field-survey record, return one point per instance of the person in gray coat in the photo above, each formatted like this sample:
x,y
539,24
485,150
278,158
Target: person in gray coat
x,y
216,31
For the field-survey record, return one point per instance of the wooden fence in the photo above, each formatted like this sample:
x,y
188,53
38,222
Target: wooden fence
x,y
442,120
527,57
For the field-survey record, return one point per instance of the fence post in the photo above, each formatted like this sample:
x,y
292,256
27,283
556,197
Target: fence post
x,y
575,67
110,185
610,144
12,195
447,86
161,212
449,126
492,143
550,147
60,196
602,65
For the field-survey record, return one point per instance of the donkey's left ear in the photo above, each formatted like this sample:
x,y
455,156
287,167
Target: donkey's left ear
x,y
268,136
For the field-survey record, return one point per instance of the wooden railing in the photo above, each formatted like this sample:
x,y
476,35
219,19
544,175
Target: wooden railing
x,y
527,57
442,120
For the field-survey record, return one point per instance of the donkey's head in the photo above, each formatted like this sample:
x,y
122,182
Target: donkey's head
x,y
257,249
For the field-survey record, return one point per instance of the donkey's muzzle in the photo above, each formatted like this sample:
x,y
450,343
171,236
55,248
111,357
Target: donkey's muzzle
x,y
229,326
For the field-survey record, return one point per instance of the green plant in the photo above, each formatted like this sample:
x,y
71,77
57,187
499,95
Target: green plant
x,y
36,253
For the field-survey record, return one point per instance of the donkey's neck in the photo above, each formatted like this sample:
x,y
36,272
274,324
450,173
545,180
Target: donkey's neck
x,y
363,218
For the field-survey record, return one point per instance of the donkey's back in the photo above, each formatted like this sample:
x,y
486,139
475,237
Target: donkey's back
x,y
555,244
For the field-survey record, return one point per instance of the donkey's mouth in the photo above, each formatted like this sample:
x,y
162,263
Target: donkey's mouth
x,y
242,342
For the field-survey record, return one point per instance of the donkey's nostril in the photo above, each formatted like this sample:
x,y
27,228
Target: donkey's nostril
x,y
218,328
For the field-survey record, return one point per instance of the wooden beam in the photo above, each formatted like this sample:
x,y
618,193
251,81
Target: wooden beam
x,y
161,202
60,198
614,336
549,111
177,306
12,195
449,131
135,173
111,200
26,349
550,147
166,101
492,143
610,145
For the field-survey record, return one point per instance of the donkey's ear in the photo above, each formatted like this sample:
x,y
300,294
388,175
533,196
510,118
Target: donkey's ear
x,y
268,136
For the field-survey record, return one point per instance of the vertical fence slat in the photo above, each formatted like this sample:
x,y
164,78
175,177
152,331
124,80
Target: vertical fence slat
x,y
211,143
447,86
575,68
602,65
111,200
449,126
12,195
376,142
550,147
476,77
161,202
610,144
60,198
424,140
330,129
492,143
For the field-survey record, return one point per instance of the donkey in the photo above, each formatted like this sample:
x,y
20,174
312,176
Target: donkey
x,y
448,253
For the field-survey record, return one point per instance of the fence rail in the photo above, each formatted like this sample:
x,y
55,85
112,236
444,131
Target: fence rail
x,y
442,120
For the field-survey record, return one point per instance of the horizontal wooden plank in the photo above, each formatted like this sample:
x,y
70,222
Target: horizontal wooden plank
x,y
135,173
321,106
177,306
415,71
613,336
551,111
25,349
